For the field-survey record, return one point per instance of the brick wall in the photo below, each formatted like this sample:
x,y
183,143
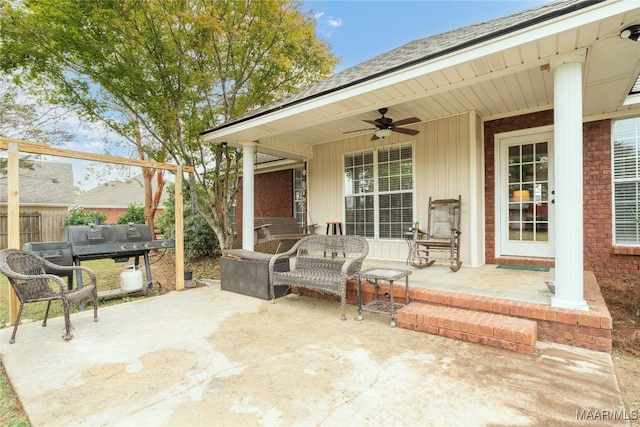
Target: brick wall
x,y
599,254
273,197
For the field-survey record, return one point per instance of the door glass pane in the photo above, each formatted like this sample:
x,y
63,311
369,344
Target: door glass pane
x,y
528,193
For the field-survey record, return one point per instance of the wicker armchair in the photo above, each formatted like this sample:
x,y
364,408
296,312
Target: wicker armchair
x,y
28,276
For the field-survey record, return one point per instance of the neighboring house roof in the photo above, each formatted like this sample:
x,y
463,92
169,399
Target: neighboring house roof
x,y
115,194
46,183
419,51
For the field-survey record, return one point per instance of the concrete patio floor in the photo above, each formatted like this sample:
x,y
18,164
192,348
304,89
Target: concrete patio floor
x,y
210,357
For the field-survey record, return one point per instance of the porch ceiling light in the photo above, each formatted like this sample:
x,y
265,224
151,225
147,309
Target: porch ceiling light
x,y
383,133
632,33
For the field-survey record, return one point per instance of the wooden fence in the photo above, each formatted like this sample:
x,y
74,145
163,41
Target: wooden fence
x,y
43,224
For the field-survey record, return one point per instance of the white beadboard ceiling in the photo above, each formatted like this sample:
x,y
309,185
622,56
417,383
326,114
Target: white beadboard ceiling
x,y
501,82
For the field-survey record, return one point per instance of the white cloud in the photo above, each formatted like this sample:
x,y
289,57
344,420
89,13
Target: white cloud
x,y
327,25
334,23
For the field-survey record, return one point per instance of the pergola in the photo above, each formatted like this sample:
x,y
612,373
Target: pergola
x,y
14,147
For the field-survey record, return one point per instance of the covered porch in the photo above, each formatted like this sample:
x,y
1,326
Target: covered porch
x,y
473,102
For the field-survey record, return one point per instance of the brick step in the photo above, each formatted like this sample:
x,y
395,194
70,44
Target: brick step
x,y
490,329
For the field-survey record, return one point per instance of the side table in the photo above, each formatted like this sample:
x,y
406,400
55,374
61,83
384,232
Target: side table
x,y
387,275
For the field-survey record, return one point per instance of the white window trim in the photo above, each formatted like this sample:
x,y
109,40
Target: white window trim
x,y
613,191
376,192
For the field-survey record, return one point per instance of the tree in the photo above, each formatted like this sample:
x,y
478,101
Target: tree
x,y
24,116
169,69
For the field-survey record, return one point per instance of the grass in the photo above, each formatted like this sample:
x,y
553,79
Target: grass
x,y
11,413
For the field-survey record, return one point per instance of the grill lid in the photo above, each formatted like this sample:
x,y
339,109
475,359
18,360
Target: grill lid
x,y
112,240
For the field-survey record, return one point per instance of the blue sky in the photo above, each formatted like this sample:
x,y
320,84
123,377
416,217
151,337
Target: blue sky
x,y
358,30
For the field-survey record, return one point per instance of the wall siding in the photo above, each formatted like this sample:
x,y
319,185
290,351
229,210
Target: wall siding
x,y
441,170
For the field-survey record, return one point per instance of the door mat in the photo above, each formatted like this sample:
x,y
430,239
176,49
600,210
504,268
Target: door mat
x,y
523,267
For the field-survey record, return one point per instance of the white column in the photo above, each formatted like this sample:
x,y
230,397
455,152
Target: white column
x,y
248,157
569,280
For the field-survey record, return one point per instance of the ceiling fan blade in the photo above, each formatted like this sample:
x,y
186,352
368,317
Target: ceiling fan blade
x,y
406,121
374,137
359,130
405,131
372,122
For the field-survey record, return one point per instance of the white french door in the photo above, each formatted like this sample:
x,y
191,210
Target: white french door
x,y
524,193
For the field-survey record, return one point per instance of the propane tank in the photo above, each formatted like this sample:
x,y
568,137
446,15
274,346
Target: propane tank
x,y
131,279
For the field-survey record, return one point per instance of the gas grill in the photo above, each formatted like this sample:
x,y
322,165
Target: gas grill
x,y
101,241
58,253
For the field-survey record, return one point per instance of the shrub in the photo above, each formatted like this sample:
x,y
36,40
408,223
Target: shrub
x,y
199,238
80,217
134,214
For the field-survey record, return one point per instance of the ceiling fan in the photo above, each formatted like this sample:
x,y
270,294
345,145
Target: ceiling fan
x,y
385,125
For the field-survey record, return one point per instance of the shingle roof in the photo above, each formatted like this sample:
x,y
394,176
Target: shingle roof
x,y
419,51
115,194
45,184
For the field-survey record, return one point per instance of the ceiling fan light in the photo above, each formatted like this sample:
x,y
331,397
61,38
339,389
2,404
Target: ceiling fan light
x,y
631,33
383,133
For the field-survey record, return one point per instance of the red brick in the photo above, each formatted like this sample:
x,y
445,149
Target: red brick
x,y
528,338
583,320
552,315
507,335
562,316
525,349
453,334
473,338
431,330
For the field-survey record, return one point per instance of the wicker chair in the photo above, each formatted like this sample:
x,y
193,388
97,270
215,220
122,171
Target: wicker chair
x,y
28,276
443,234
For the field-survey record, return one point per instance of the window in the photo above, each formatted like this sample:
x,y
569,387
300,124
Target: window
x,y
300,196
378,186
626,180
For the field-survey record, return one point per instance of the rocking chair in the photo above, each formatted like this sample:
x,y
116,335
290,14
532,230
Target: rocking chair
x,y
443,234
27,274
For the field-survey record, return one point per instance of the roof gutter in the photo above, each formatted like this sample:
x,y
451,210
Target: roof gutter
x,y
489,36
